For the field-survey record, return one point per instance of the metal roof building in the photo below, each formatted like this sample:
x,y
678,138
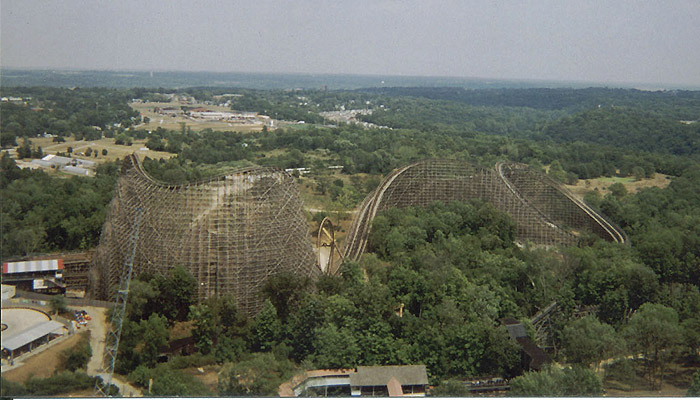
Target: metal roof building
x,y
36,332
76,170
391,380
32,266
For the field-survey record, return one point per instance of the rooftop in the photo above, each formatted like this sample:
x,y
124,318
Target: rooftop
x,y
30,335
381,375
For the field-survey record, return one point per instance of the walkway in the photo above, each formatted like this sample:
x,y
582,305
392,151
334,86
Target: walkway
x,y
98,333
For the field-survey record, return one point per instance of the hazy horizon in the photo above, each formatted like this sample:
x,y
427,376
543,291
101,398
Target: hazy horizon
x,y
630,43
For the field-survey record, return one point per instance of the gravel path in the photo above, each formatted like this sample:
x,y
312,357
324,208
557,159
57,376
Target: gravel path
x,y
98,332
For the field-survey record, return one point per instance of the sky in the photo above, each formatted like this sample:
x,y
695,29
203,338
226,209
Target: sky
x,y
614,41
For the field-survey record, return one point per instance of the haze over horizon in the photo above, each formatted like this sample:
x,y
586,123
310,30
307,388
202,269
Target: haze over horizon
x,y
599,41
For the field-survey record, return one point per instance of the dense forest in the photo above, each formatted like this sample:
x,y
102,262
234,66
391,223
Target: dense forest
x,y
454,270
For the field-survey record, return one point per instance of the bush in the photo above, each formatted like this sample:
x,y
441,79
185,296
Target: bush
x,y
319,216
63,382
260,375
451,389
576,381
168,382
694,389
58,304
78,356
11,389
123,139
621,371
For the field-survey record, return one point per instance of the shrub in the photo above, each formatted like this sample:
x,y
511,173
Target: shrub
x,y
621,371
694,389
576,381
260,375
168,382
11,389
63,382
78,356
451,389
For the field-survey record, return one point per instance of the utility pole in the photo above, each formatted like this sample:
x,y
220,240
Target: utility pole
x,y
102,387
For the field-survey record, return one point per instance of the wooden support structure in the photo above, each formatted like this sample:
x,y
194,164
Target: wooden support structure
x,y
231,232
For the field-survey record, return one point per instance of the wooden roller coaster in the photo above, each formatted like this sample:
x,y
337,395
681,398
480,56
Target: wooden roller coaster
x,y
231,231
544,211
235,230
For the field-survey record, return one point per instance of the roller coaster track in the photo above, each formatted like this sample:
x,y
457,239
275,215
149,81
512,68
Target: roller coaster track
x,y
496,187
359,231
615,233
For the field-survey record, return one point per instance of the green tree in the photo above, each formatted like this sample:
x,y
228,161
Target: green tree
x,y
691,336
588,340
154,334
206,327
285,291
266,330
58,304
335,347
694,389
167,382
638,173
155,143
25,149
9,389
177,291
556,171
78,356
9,171
654,332
618,190
142,300
554,382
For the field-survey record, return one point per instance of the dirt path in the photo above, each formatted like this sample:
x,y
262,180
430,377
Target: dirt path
x,y
97,338
98,332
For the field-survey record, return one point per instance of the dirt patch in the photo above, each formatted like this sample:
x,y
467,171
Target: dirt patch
x,y
41,365
181,330
210,376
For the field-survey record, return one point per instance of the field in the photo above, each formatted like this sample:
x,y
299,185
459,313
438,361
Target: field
x,y
114,151
632,185
677,379
175,122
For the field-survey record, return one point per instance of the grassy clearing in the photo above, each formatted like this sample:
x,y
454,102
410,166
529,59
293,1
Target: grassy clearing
x,y
114,151
603,184
677,379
